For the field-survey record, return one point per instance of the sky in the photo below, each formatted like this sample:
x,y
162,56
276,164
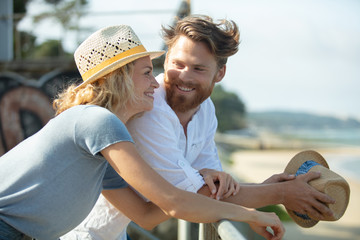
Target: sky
x,y
294,55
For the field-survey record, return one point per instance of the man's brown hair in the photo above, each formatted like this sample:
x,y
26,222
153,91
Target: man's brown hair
x,y
222,38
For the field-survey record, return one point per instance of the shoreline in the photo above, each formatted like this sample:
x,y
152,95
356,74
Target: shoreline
x,y
258,165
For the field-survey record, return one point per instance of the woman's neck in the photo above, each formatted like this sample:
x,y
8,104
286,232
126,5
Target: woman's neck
x,y
124,114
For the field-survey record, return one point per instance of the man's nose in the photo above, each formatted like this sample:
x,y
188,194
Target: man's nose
x,y
185,74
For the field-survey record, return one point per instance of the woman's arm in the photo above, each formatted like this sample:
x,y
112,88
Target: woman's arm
x,y
145,214
148,215
174,202
178,203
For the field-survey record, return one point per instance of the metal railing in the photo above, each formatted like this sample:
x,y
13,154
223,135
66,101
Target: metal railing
x,y
223,230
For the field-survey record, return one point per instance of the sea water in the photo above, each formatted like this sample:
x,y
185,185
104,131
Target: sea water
x,y
341,137
344,163
347,165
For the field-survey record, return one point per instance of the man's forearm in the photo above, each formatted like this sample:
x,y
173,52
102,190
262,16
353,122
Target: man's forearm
x,y
259,195
254,195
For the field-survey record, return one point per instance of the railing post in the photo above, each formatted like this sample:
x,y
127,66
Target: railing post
x,y
202,231
207,232
183,230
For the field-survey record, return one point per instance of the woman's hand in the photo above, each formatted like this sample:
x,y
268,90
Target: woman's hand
x,y
227,184
271,220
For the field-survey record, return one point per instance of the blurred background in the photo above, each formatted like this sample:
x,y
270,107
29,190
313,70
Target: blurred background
x,y
294,83
295,55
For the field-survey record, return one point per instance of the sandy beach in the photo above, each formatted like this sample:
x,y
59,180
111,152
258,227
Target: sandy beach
x,y
257,165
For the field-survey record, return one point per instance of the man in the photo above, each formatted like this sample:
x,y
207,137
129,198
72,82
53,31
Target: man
x,y
177,137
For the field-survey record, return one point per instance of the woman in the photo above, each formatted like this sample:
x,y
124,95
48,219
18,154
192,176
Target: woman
x,y
50,181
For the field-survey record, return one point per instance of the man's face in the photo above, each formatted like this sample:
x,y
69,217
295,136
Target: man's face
x,y
190,74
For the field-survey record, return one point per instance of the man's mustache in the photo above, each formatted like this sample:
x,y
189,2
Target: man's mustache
x,y
182,83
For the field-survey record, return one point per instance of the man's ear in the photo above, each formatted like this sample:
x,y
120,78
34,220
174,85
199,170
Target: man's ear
x,y
220,74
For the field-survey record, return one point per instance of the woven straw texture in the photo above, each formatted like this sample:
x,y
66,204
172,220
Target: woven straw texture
x,y
329,183
108,49
103,45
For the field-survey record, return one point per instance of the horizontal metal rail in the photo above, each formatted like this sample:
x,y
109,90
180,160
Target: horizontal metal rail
x,y
223,230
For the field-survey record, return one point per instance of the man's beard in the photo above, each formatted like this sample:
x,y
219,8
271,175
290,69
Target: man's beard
x,y
181,103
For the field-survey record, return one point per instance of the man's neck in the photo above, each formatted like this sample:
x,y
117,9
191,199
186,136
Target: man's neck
x,y
185,118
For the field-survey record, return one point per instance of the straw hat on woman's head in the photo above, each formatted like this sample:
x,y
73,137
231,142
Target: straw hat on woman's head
x,y
107,50
329,183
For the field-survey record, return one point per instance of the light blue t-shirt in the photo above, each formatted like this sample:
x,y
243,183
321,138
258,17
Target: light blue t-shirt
x,y
50,181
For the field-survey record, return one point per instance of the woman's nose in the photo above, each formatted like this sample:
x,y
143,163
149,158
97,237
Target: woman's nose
x,y
154,83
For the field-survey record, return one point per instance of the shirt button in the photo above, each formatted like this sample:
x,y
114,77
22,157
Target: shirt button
x,y
182,164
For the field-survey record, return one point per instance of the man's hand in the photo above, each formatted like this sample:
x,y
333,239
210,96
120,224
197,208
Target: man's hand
x,y
227,185
281,177
300,197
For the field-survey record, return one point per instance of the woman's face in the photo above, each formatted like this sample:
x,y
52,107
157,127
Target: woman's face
x,y
144,84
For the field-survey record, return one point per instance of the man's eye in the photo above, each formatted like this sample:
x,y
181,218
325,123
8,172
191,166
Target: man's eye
x,y
178,65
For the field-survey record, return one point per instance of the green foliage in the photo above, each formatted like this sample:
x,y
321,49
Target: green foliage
x,y
230,110
50,48
280,212
26,41
64,12
20,6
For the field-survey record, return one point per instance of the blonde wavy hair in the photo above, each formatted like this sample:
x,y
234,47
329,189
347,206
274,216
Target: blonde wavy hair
x,y
112,92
